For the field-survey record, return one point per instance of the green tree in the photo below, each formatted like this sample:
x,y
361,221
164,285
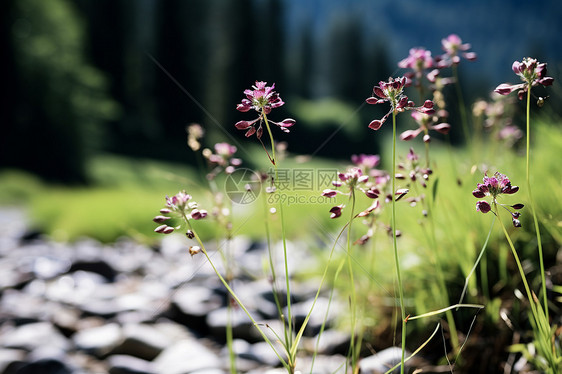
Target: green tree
x,y
59,102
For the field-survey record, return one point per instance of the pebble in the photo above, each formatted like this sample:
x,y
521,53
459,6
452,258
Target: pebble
x,y
125,308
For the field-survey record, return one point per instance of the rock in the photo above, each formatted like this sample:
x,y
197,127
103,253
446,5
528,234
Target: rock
x,y
99,341
142,341
331,342
45,366
241,324
191,306
11,359
186,356
123,364
100,267
34,335
382,361
332,364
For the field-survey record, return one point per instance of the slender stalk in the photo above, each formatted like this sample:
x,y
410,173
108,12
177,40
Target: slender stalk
x,y
477,261
395,245
234,295
520,267
353,296
536,221
289,334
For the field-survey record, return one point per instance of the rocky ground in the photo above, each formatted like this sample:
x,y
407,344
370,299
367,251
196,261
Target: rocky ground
x,y
123,308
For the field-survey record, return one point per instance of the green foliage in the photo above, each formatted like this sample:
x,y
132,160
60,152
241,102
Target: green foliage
x,y
60,101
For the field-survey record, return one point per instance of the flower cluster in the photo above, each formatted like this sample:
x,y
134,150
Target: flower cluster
x,y
495,186
180,205
413,170
425,123
531,72
262,99
454,49
418,60
392,92
222,158
351,179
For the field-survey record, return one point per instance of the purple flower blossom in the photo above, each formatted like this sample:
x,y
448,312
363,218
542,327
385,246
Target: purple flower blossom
x,y
392,92
418,60
181,205
454,50
495,186
262,99
531,72
366,162
353,178
425,123
411,169
222,158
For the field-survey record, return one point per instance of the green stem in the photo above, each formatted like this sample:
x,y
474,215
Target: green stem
x,y
353,297
233,294
289,335
519,266
477,261
394,243
536,221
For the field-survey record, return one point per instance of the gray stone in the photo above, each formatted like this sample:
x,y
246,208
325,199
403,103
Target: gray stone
x,y
142,341
10,358
123,364
34,335
99,341
186,356
382,361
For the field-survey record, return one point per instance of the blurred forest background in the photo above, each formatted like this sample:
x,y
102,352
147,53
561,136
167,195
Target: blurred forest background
x,y
125,77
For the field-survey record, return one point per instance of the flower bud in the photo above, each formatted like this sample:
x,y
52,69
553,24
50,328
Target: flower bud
x,y
160,219
375,124
190,234
193,250
483,206
329,193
